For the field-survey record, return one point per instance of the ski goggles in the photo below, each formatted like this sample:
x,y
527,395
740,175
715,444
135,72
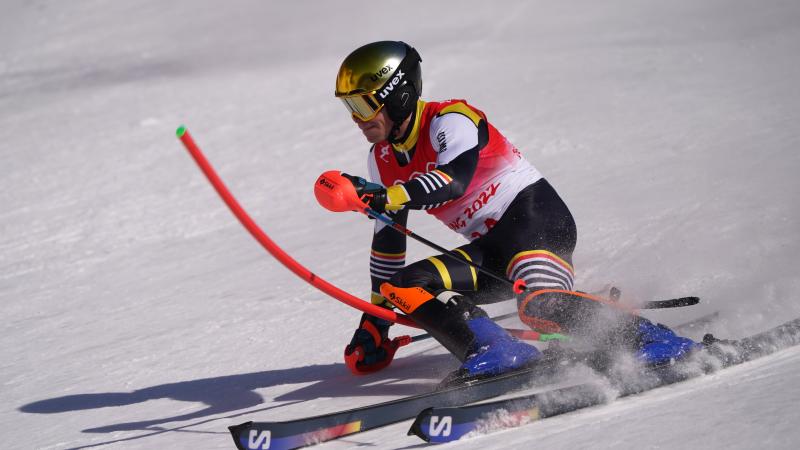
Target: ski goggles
x,y
362,106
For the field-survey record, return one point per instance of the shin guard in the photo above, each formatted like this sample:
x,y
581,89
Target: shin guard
x,y
445,316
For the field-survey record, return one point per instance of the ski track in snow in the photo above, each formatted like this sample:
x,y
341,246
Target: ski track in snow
x,y
139,314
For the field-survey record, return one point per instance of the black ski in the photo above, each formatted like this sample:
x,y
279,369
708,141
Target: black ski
x,y
313,430
446,423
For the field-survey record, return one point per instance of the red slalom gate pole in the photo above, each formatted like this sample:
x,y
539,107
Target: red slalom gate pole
x,y
297,268
273,248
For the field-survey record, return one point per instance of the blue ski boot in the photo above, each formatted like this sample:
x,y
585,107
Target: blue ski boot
x,y
464,329
660,345
494,351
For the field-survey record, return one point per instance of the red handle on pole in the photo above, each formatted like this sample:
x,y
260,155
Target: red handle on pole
x,y
274,249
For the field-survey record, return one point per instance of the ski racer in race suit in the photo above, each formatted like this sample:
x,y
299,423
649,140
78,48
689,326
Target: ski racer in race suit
x,y
448,159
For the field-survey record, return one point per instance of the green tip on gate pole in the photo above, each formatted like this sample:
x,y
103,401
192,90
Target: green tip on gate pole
x,y
180,131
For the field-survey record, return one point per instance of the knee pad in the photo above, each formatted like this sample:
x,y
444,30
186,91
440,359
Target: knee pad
x,y
532,310
556,310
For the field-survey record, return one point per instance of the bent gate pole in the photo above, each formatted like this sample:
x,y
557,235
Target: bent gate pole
x,y
268,244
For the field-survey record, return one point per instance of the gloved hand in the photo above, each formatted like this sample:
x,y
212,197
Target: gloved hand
x,y
373,194
370,349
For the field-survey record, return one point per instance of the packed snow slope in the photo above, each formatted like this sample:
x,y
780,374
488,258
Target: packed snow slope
x,y
137,313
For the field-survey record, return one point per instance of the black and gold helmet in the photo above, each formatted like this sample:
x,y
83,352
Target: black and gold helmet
x,y
380,74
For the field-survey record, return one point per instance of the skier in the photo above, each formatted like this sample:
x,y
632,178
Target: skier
x,y
446,158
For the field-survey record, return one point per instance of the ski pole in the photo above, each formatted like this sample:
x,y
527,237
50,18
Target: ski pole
x,y
671,303
337,193
518,285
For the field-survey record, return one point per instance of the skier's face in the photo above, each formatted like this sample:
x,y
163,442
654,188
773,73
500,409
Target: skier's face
x,y
376,129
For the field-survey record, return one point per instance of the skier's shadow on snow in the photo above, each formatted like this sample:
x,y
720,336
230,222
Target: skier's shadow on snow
x,y
233,393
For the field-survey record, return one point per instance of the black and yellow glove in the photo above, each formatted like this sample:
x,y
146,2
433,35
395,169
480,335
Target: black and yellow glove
x,y
373,194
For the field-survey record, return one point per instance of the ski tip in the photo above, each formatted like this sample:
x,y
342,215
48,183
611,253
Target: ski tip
x,y
180,131
416,427
241,426
237,431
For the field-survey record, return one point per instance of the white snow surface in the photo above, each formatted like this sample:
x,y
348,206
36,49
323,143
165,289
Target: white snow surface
x,y
138,313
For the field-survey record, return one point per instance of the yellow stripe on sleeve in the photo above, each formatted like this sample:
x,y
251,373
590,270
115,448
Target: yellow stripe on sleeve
x,y
462,108
447,177
397,195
